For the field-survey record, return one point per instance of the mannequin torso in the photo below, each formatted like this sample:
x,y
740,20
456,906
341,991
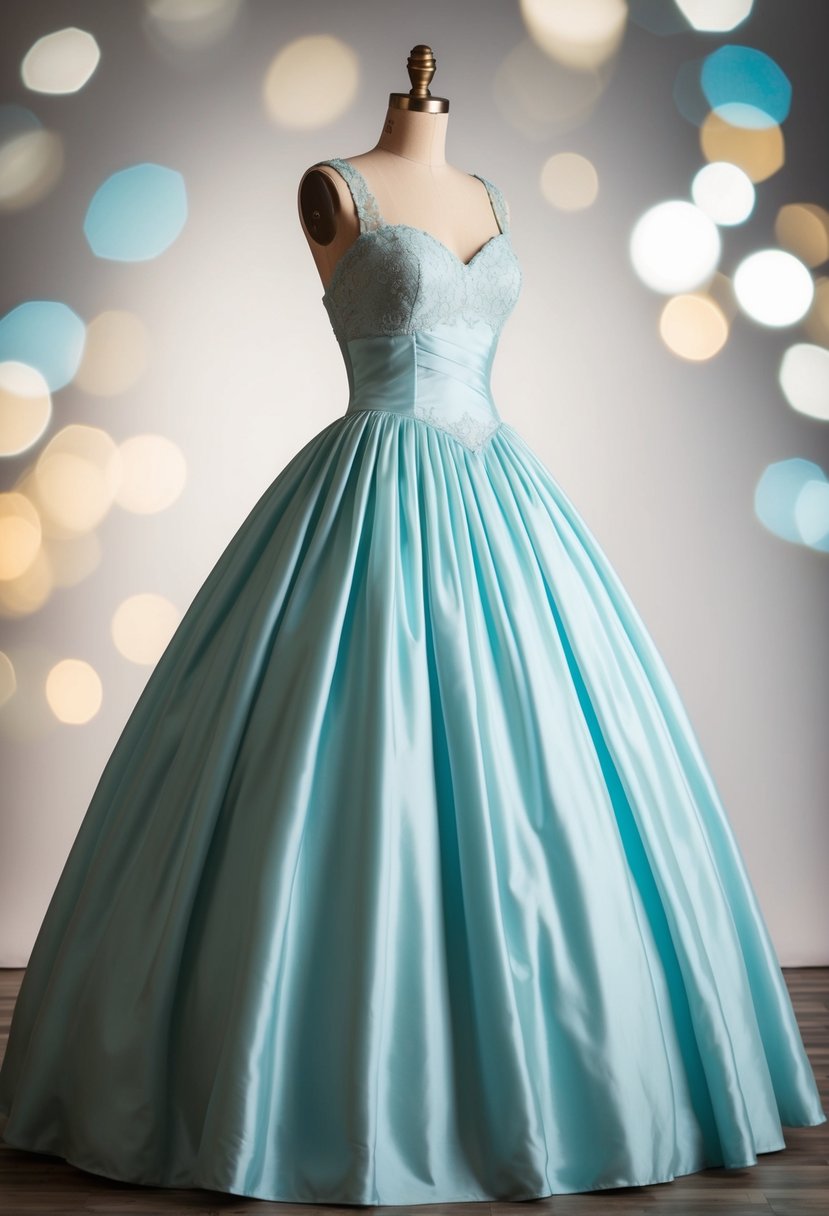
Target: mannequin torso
x,y
408,175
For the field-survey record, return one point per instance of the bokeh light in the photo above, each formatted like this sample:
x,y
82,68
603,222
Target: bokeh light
x,y
31,159
25,407
20,534
724,192
773,287
693,326
46,335
30,591
577,33
136,213
746,87
569,181
804,379
803,229
64,559
74,691
759,152
713,16
77,475
811,513
142,627
311,82
60,62
777,495
674,246
153,474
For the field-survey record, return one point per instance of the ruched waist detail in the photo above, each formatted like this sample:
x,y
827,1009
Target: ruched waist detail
x,y
439,376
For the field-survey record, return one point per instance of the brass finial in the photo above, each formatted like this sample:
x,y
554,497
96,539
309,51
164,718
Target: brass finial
x,y
421,66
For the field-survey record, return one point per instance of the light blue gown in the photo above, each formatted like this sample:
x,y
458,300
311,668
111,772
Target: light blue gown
x,y
406,881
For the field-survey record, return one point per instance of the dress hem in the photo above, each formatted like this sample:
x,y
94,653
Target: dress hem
x,y
464,1198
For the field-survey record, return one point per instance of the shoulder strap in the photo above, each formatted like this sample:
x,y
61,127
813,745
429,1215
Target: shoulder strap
x,y
365,203
499,203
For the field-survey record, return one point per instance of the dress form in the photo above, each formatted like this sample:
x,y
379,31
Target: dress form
x,y
409,176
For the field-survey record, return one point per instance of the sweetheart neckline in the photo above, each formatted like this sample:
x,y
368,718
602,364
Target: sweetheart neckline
x,y
423,232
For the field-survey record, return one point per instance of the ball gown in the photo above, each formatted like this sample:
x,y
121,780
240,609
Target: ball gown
x,y
406,881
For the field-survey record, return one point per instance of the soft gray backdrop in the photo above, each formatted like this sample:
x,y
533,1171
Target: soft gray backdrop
x,y
661,456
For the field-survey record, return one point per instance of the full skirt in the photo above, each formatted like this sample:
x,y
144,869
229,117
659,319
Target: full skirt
x,y
406,880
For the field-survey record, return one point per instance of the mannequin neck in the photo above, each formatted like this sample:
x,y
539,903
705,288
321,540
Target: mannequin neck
x,y
415,136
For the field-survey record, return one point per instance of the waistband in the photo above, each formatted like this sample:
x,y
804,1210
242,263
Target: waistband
x,y
441,375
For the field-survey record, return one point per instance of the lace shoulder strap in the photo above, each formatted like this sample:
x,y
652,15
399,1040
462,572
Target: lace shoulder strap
x,y
365,203
499,203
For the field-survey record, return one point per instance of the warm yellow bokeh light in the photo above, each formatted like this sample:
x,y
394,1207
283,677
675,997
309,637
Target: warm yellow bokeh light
x,y
25,407
30,165
759,152
577,33
153,474
114,355
803,229
78,474
311,82
693,326
30,591
20,534
142,627
569,181
74,691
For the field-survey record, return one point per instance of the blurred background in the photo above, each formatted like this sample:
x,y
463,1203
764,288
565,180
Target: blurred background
x,y
164,350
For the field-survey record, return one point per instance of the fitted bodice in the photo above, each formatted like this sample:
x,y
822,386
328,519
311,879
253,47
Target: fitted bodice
x,y
417,326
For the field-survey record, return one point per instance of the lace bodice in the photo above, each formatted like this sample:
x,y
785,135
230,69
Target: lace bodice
x,y
418,326
398,279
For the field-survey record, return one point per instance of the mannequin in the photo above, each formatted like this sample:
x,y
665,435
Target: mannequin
x,y
408,174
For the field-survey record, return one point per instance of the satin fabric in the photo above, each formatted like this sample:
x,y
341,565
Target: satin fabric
x,y
406,881
440,376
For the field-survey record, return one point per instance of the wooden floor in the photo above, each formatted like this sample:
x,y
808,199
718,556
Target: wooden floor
x,y
791,1182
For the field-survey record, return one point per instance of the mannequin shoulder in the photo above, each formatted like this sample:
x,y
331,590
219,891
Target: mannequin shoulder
x,y
321,198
